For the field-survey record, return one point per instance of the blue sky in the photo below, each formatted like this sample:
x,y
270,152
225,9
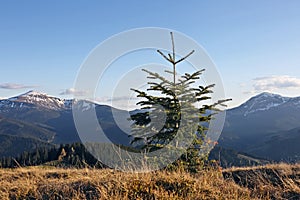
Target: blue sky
x,y
255,44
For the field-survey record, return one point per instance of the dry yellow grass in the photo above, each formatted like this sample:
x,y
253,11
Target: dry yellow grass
x,y
54,183
277,181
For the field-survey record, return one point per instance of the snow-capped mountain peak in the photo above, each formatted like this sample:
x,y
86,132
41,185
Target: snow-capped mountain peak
x,y
38,99
30,95
262,102
33,93
268,95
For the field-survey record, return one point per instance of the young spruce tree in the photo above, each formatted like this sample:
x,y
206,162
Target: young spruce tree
x,y
176,107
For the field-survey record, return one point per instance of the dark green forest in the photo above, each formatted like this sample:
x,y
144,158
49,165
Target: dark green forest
x,y
66,155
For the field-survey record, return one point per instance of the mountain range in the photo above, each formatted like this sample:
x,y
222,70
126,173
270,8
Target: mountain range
x,y
266,126
46,119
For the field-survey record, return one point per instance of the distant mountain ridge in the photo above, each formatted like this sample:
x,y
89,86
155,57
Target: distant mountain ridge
x,y
38,99
49,119
265,101
252,126
264,124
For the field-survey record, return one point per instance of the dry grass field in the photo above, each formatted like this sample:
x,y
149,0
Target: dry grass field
x,y
280,181
268,182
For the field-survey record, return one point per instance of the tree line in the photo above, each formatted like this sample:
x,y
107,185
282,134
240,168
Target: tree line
x,y
66,155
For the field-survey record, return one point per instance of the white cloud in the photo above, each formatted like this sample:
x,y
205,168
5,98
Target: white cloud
x,y
250,92
72,91
271,83
115,99
242,85
121,102
122,98
14,86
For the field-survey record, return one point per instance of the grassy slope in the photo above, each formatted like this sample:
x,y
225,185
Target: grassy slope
x,y
280,181
54,183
